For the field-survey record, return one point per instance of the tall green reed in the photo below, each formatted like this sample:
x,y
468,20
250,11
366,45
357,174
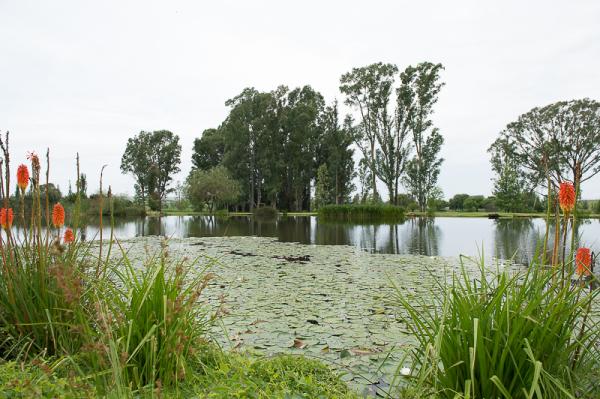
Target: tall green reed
x,y
504,334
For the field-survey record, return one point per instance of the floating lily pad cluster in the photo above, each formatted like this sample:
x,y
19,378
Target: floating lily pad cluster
x,y
335,303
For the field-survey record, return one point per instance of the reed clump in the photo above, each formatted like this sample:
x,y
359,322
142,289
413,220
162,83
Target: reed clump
x,y
361,213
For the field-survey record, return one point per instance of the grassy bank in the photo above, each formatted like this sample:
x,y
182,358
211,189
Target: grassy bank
x,y
454,214
218,375
502,215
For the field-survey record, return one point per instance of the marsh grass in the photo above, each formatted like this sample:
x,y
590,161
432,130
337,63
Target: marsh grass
x,y
155,325
504,334
361,213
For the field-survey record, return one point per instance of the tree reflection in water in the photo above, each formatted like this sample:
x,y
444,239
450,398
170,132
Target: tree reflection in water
x,y
503,238
423,237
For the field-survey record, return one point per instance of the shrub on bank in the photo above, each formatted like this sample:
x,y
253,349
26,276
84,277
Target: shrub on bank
x,y
361,213
265,212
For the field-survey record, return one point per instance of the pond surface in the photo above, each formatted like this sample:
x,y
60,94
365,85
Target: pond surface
x,y
444,236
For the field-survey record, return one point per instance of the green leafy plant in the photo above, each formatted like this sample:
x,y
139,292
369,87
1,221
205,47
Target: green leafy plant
x,y
504,335
154,325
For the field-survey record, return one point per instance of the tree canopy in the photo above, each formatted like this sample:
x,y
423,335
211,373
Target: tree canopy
x,y
551,141
152,158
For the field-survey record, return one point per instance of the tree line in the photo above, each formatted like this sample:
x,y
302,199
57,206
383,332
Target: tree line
x,y
277,146
291,150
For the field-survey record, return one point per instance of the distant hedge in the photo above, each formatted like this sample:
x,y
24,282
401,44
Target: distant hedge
x,y
361,213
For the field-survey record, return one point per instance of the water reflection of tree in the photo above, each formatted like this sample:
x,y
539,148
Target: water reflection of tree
x,y
423,237
521,239
516,238
295,229
333,233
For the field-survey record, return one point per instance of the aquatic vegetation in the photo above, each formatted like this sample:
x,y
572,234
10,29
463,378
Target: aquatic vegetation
x,y
265,213
361,213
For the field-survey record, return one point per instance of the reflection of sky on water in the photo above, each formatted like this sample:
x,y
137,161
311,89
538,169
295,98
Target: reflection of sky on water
x,y
441,236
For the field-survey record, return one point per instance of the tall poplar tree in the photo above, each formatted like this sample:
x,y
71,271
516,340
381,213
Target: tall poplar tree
x,y
418,93
368,90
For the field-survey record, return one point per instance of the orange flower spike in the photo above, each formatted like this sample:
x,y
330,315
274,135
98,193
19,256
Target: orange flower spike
x,y
583,260
566,197
22,177
69,237
6,218
58,215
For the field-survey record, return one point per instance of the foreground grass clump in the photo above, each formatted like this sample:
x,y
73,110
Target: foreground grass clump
x,y
78,321
154,325
285,376
361,213
39,381
502,335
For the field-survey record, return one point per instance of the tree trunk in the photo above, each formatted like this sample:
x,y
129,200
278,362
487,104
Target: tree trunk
x,y
337,190
373,170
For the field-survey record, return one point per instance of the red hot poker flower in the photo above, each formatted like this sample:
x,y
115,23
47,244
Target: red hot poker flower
x,y
583,259
58,215
22,176
6,218
69,237
566,197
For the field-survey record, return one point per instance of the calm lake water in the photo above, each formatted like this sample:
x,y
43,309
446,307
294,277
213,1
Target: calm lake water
x,y
501,239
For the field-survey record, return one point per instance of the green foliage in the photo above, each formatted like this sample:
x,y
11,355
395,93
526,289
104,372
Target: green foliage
x,y
336,153
54,194
271,143
265,213
121,206
418,93
508,188
556,138
38,381
213,188
456,203
152,158
160,323
473,203
369,90
208,149
241,376
42,298
506,334
322,187
597,207
436,202
361,213
407,202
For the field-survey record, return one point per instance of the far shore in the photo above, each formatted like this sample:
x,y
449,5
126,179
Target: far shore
x,y
454,214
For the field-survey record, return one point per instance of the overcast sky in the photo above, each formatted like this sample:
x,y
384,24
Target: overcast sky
x,y
84,76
